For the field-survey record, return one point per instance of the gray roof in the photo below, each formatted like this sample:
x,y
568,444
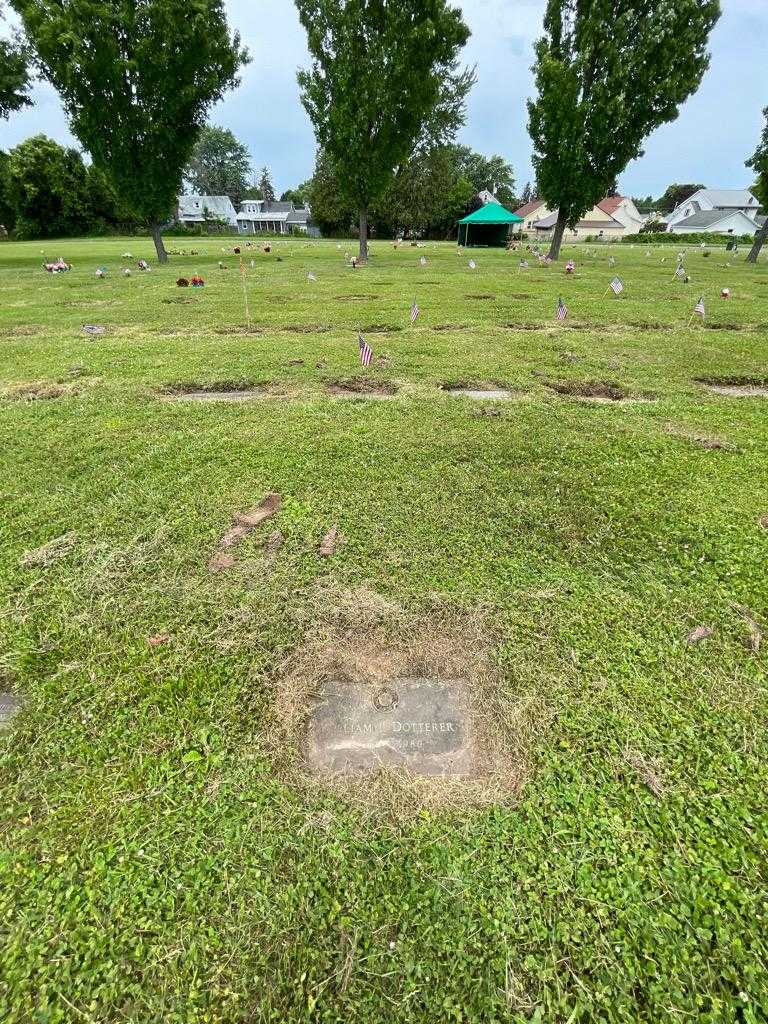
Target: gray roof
x,y
726,198
705,219
549,222
194,208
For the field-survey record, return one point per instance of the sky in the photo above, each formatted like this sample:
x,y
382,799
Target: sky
x,y
718,128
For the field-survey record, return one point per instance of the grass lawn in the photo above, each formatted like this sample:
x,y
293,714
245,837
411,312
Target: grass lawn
x,y
165,856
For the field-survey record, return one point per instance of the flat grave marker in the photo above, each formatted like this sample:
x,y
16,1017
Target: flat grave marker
x,y
421,724
10,703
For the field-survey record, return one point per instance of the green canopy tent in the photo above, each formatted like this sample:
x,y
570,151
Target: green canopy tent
x,y
488,226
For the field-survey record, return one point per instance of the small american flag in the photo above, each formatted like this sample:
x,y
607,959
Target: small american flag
x,y
472,265
562,309
311,276
94,329
423,261
366,352
699,307
617,285
523,264
611,261
414,311
680,272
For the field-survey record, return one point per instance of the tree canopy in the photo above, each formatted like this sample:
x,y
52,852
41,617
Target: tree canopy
x,y
219,165
14,74
136,103
758,162
675,195
384,79
607,74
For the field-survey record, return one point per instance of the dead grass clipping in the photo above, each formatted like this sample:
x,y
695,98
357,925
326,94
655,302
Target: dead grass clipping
x,y
360,636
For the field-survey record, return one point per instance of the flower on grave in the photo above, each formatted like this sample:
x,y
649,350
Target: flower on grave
x,y
182,282
197,281
725,293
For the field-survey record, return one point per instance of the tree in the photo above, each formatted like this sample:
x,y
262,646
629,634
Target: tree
x,y
527,195
492,173
266,187
607,74
675,195
331,212
7,208
384,76
47,189
136,78
14,74
759,163
219,165
298,196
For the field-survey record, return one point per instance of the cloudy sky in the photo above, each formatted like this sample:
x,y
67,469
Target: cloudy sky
x,y
716,131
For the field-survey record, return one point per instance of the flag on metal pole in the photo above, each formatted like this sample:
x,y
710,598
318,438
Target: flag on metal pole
x,y
562,309
617,286
414,311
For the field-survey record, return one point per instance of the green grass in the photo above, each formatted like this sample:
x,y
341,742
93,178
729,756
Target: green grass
x,y
157,865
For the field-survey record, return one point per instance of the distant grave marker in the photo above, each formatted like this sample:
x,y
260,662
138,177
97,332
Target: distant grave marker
x,y
9,705
421,724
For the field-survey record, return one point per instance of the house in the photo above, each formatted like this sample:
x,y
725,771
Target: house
x,y
277,218
486,197
529,213
724,211
192,210
612,217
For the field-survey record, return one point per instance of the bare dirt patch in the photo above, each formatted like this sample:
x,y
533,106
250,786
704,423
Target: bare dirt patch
x,y
736,387
53,551
358,637
356,297
519,296
594,391
38,390
449,327
21,331
360,387
709,441
481,296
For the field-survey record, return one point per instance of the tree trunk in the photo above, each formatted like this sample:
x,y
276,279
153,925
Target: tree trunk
x,y
760,239
557,238
363,234
157,238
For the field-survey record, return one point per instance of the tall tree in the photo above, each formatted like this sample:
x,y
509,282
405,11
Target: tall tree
x,y
527,194
219,165
488,172
608,72
759,163
675,195
14,73
384,75
136,78
265,185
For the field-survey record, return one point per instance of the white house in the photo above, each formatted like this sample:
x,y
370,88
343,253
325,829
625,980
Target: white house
x,y
724,211
194,209
279,218
486,197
